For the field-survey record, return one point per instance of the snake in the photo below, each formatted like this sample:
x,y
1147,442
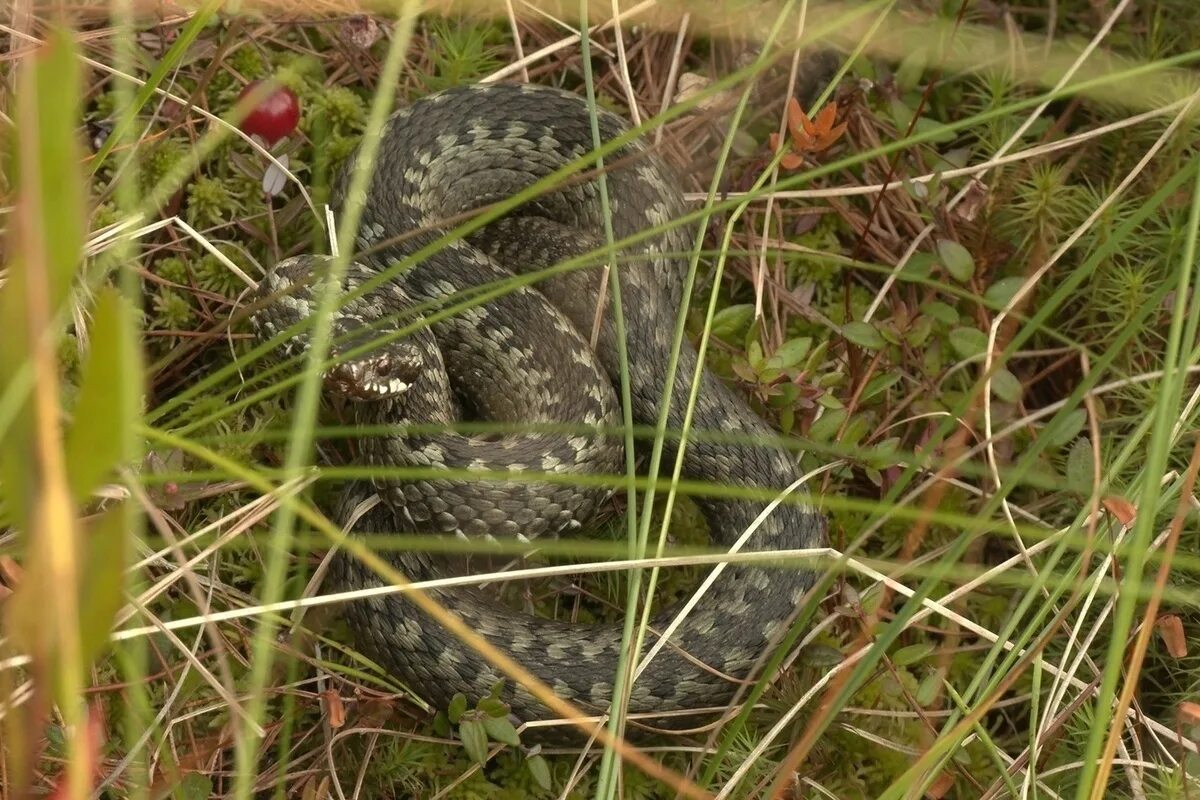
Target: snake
x,y
543,352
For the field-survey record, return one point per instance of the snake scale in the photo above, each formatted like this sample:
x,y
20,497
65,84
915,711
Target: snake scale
x,y
524,356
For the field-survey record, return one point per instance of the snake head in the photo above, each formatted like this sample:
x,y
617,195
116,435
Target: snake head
x,y
382,374
366,366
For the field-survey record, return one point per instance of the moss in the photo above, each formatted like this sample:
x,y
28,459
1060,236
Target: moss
x,y
213,201
172,310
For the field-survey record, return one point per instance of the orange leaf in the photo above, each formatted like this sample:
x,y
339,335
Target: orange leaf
x,y
824,122
1170,628
797,121
1119,507
835,133
791,161
1190,712
334,708
940,787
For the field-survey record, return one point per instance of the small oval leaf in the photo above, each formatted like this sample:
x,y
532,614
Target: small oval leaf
x,y
863,334
912,654
1080,467
793,351
540,771
956,259
458,705
501,730
1002,291
493,707
475,740
1006,386
968,342
731,321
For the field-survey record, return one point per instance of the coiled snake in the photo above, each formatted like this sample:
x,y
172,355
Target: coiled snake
x,y
524,357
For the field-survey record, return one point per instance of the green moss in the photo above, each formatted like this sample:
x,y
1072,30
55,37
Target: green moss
x,y
174,269
158,158
463,50
213,201
214,276
172,310
339,106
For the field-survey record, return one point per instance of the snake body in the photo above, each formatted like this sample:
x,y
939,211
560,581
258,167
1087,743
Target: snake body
x,y
524,356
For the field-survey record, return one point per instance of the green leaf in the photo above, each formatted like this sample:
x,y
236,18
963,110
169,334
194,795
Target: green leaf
x,y
540,771
821,655
196,786
100,597
109,397
731,321
1080,469
793,351
827,425
864,335
956,259
937,131
830,379
501,730
920,265
912,654
458,706
493,707
787,419
855,431
817,356
1006,386
1002,291
919,332
901,114
475,740
1065,428
880,383
927,689
942,312
754,355
968,342
909,73
874,476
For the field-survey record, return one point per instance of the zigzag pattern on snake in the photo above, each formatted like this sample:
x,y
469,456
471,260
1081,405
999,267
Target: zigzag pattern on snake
x,y
524,357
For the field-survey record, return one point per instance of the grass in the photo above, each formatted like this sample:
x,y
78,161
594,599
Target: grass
x,y
971,314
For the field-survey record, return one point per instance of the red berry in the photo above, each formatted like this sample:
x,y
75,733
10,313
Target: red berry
x,y
273,118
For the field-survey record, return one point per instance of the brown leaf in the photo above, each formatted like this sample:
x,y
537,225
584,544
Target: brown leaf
x,y
335,710
1119,507
1170,628
940,787
1189,712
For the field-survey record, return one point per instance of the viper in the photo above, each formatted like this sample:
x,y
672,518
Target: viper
x,y
546,356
